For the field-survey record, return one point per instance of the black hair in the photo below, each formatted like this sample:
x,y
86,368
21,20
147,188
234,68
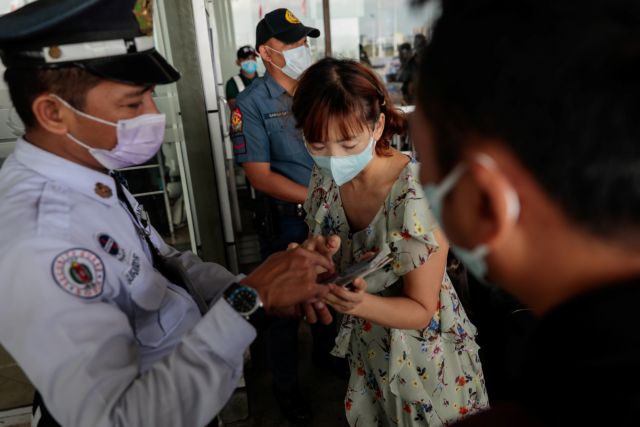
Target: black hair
x,y
558,82
26,84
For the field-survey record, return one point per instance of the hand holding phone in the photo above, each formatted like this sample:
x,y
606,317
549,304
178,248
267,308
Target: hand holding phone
x,y
359,269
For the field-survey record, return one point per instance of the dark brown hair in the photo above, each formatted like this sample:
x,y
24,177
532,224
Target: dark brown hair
x,y
25,85
348,93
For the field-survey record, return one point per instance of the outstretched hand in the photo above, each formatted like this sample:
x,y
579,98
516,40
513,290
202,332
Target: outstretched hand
x,y
286,281
347,300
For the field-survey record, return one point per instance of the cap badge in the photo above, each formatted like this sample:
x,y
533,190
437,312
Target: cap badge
x,y
143,11
290,17
103,190
55,52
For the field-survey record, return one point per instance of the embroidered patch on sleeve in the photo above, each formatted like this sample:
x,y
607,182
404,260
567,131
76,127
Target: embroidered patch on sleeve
x,y
79,272
236,121
111,246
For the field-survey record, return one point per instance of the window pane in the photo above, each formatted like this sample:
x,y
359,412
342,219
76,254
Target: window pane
x,y
374,30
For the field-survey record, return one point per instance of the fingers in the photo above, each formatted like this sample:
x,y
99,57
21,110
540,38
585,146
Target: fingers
x,y
292,246
344,295
366,256
338,304
323,313
326,246
310,313
359,285
320,291
316,259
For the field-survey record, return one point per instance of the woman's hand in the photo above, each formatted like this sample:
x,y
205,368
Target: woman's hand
x,y
346,300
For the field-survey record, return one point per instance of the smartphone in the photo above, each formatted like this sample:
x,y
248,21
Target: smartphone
x,y
360,269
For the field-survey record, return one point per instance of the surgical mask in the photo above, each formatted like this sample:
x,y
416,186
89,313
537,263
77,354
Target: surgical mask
x,y
249,66
297,60
343,169
473,259
138,139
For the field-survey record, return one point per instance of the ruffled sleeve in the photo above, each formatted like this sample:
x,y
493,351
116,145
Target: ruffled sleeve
x,y
411,224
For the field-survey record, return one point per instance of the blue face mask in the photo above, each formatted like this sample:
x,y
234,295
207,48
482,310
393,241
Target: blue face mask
x,y
473,259
250,66
344,168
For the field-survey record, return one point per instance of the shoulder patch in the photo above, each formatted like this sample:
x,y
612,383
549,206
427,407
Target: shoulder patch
x,y
79,272
236,121
111,246
237,137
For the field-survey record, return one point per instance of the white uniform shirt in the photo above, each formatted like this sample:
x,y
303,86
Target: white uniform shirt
x,y
105,338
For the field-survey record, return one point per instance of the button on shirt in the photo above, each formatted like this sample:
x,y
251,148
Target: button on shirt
x,y
268,133
103,336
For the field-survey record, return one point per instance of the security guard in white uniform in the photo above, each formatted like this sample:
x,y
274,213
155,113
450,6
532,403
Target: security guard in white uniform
x,y
112,326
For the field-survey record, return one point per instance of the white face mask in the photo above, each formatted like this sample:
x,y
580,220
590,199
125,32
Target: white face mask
x,y
343,169
297,60
474,259
139,139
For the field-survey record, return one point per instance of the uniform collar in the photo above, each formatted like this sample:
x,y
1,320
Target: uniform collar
x,y
97,185
274,88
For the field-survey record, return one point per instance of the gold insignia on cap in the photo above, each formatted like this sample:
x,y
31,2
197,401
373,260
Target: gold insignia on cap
x,y
143,11
103,190
55,52
290,17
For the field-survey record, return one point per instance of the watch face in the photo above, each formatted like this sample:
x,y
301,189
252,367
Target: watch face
x,y
245,300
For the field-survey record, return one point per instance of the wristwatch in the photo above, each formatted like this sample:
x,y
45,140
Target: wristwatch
x,y
243,299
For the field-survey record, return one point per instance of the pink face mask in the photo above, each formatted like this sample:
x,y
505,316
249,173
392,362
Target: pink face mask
x,y
139,139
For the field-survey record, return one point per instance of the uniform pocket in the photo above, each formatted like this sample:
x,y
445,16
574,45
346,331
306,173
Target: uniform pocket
x,y
152,327
284,137
148,290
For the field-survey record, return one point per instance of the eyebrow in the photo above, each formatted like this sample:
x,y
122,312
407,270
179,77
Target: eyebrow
x,y
138,92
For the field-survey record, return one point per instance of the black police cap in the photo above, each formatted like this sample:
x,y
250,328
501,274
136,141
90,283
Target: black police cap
x,y
284,26
245,51
112,39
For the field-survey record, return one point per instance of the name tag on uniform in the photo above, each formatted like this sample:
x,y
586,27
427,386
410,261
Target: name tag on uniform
x,y
276,115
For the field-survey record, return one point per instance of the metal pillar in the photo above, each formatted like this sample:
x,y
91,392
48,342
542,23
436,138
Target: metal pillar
x,y
199,128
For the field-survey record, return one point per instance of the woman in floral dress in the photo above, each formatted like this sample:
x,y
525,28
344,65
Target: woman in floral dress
x,y
410,346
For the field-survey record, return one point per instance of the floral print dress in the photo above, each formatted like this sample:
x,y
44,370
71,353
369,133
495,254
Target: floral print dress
x,y
428,377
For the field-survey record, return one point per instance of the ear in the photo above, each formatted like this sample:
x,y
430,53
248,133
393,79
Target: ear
x,y
379,127
264,53
498,209
238,62
51,115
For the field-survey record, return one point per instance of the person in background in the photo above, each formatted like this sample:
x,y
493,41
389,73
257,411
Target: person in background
x,y
529,136
419,43
409,67
269,147
364,56
411,348
247,60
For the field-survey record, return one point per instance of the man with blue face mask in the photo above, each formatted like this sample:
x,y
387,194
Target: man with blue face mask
x,y
113,326
247,61
529,141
